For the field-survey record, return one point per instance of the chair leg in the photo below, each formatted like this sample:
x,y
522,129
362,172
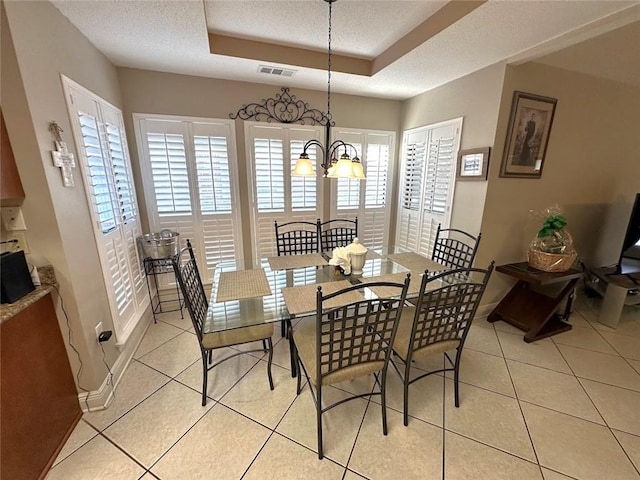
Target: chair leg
x,y
319,420
283,329
270,344
456,371
292,350
264,345
299,379
205,374
405,386
383,397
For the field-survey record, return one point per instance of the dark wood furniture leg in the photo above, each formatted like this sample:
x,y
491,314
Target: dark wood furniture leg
x,y
531,311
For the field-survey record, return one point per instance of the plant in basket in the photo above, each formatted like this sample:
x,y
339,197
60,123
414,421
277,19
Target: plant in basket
x,y
552,248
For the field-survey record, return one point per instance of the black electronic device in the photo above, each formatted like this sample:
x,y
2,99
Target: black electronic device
x,y
629,261
15,278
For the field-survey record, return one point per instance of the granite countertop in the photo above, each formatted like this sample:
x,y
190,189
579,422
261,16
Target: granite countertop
x,y
48,283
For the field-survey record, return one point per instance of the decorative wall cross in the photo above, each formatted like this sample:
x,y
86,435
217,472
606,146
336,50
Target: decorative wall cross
x,y
61,156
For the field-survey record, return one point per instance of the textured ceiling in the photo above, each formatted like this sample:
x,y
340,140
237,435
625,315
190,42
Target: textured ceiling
x,y
173,36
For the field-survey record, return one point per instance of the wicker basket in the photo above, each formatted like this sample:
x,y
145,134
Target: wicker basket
x,y
551,262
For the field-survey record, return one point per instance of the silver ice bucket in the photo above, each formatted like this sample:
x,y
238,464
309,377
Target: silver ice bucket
x,y
160,245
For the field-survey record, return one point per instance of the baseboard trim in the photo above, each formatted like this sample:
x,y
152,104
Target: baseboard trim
x,y
101,398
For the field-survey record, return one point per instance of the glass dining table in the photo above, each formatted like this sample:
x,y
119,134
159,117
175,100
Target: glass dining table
x,y
281,289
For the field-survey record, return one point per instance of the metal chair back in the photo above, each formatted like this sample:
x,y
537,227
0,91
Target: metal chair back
x,y
357,333
337,233
446,305
295,238
455,248
192,289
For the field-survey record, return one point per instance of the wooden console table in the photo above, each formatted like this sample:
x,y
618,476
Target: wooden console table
x,y
531,311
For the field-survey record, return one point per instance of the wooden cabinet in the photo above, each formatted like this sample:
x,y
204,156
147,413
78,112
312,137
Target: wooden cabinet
x,y
39,402
10,184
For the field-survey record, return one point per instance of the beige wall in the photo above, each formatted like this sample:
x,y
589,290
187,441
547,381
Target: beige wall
x,y
591,169
476,98
165,93
59,226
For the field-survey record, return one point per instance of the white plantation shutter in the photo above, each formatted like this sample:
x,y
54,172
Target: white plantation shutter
x,y
269,172
426,185
303,189
439,172
412,170
190,182
126,202
377,176
104,160
367,199
138,279
168,161
412,187
214,179
99,180
348,196
277,195
375,221
214,190
123,177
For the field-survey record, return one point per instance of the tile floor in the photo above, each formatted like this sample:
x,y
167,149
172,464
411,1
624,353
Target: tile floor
x,y
564,407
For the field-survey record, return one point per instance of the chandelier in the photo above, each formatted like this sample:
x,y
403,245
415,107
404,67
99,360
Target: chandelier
x,y
345,166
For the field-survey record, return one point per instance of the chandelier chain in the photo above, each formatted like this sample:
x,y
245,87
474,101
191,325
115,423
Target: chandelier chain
x,y
329,65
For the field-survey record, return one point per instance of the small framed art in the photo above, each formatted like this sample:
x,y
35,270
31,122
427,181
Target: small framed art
x,y
473,164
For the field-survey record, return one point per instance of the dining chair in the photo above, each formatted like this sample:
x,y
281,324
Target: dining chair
x,y
439,323
196,301
295,238
457,249
348,341
337,233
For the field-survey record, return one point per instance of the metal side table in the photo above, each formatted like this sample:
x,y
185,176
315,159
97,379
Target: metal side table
x,y
168,301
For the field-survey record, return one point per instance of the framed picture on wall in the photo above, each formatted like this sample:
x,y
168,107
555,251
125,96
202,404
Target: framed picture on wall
x,y
528,134
473,164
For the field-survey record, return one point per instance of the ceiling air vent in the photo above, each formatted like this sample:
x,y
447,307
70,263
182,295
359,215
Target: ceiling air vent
x,y
282,72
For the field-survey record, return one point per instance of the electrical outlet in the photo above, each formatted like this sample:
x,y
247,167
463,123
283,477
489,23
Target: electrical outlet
x,y
22,244
98,331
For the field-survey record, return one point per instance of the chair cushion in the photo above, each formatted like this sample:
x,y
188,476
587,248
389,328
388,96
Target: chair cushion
x,y
236,336
304,337
403,338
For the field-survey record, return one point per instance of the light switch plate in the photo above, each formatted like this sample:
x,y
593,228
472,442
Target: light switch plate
x,y
13,219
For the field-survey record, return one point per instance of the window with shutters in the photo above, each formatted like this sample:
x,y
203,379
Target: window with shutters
x,y
367,199
278,196
103,155
426,184
190,184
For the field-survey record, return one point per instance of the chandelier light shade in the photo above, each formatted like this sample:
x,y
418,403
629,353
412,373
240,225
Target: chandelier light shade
x,y
334,167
